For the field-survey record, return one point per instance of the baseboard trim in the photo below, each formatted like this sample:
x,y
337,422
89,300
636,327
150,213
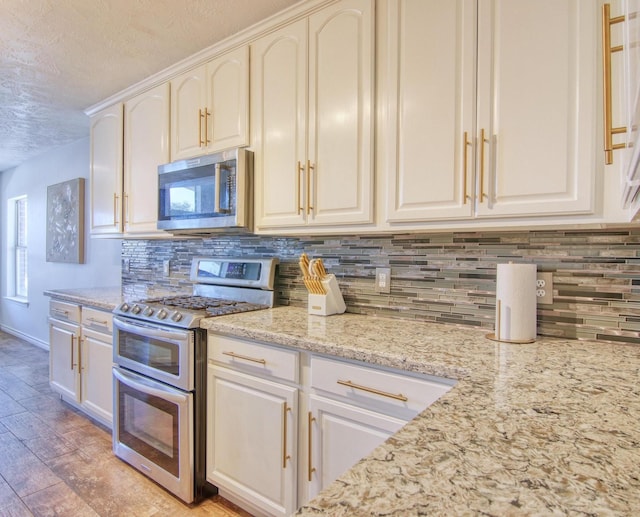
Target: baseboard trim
x,y
29,339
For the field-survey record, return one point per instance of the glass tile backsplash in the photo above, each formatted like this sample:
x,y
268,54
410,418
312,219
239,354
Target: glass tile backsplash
x,y
443,277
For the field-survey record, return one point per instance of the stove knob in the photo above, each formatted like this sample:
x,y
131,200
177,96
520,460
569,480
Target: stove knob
x,y
148,311
176,316
124,307
136,309
162,314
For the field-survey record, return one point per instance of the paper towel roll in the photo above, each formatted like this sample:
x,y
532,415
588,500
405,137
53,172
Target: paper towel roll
x,y
516,303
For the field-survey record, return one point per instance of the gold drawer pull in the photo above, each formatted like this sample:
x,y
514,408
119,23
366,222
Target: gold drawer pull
x,y
99,322
61,312
350,384
246,358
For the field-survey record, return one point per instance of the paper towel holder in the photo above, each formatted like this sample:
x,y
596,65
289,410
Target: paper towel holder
x,y
493,337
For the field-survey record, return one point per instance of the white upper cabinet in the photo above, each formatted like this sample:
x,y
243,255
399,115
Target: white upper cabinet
x,y
491,108
146,145
105,170
209,106
311,114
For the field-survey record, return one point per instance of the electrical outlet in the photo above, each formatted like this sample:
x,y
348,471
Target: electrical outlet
x,y
126,265
544,288
166,265
383,280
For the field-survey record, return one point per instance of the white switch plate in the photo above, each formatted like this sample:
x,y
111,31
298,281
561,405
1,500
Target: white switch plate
x,y
383,280
166,264
544,288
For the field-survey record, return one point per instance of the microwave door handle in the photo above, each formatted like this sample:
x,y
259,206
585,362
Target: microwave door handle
x,y
137,382
150,331
216,206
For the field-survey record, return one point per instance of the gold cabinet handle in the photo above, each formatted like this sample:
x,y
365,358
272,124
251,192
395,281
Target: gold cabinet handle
x,y
607,50
200,117
60,312
309,168
115,209
206,127
72,343
244,357
350,384
465,144
310,467
483,140
99,322
300,171
285,456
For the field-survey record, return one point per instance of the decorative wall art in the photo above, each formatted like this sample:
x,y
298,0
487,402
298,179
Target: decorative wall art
x,y
65,222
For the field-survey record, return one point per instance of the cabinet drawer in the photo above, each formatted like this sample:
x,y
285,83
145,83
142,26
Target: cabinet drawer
x,y
64,311
255,358
98,320
388,392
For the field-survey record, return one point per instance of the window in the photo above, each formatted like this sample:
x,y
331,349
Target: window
x,y
17,283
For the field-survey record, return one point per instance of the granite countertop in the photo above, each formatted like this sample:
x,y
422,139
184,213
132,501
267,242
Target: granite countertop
x,y
107,298
549,428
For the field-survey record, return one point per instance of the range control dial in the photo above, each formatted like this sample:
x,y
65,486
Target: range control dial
x,y
136,309
124,307
176,316
162,314
148,311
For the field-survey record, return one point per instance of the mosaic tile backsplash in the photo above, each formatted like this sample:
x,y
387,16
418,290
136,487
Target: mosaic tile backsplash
x,y
445,277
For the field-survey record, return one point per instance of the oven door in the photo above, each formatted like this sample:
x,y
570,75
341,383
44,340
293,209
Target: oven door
x,y
153,431
162,353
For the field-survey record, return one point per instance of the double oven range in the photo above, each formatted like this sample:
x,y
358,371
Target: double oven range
x,y
160,370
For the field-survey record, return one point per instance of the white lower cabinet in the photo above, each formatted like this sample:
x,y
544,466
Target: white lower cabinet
x,y
339,435
80,358
284,424
252,424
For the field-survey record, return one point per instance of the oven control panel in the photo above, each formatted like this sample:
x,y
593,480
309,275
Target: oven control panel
x,y
255,273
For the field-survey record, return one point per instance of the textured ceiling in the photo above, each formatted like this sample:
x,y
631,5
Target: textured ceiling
x,y
58,57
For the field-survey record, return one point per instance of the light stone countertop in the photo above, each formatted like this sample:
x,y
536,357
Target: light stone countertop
x,y
549,428
106,298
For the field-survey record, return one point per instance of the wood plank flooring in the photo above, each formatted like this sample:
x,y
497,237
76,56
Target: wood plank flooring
x,y
55,461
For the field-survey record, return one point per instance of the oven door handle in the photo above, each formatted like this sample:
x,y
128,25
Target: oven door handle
x,y
149,331
141,384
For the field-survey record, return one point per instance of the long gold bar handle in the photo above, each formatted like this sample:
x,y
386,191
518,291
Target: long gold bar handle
x,y
99,322
80,365
350,384
200,117
60,312
207,113
125,200
607,50
309,168
310,467
285,456
300,171
115,209
244,357
482,142
72,343
465,153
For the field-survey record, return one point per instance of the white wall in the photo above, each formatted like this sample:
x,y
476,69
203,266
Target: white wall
x,y
101,267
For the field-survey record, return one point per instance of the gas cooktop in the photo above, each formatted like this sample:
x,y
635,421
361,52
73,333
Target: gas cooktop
x,y
223,286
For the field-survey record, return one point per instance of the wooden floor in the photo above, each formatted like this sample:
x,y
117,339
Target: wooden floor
x,y
54,461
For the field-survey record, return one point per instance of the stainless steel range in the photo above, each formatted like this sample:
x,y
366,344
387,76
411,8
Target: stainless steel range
x,y
160,369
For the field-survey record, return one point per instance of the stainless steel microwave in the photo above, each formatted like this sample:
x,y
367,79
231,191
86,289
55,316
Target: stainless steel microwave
x,y
206,194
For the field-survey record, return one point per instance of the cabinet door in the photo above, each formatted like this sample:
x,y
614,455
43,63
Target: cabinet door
x,y
429,85
339,436
188,101
106,171
96,361
64,357
228,100
146,145
251,439
340,148
536,104
278,119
